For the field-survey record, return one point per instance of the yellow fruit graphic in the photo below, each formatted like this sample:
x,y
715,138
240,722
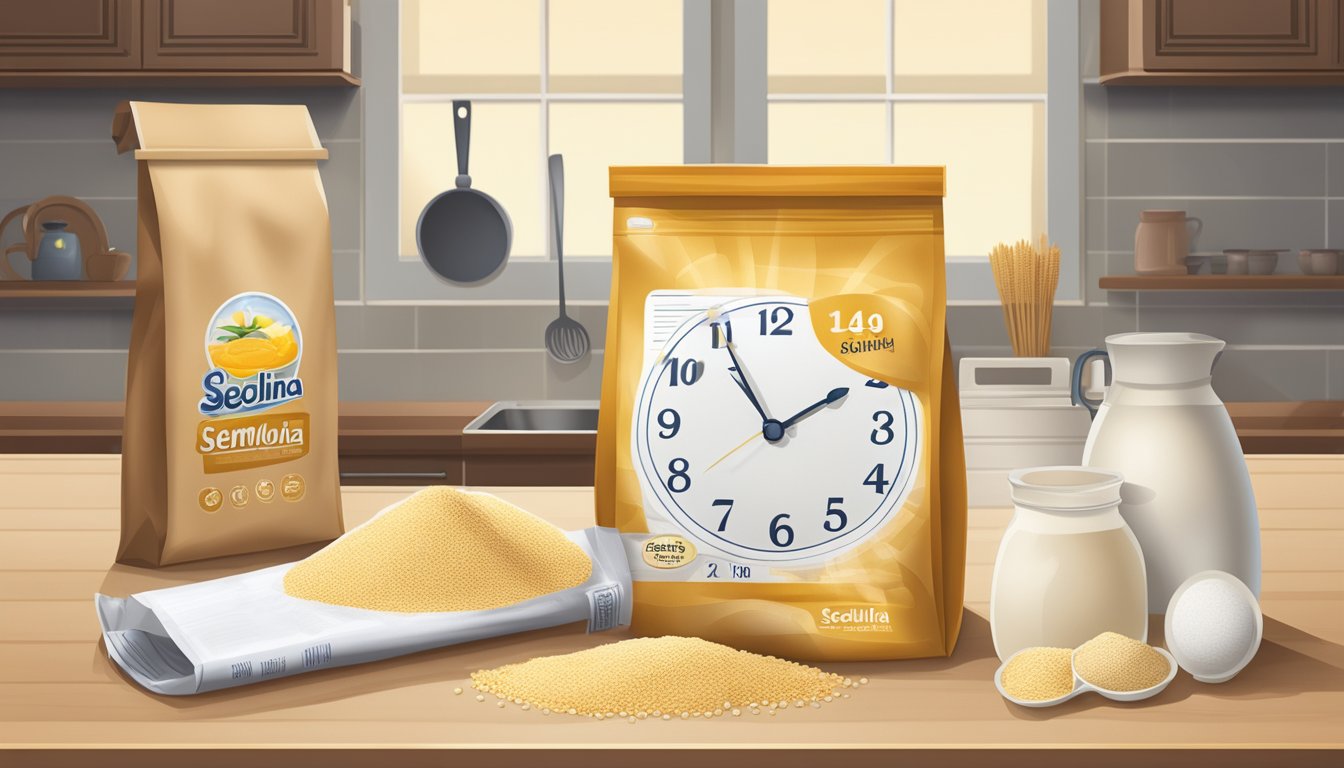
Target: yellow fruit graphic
x,y
239,318
246,357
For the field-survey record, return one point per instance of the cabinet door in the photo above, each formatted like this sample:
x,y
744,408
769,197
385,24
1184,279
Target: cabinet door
x,y
69,34
1255,35
244,34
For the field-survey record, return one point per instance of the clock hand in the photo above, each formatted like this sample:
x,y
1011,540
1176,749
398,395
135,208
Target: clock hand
x,y
741,381
739,447
831,397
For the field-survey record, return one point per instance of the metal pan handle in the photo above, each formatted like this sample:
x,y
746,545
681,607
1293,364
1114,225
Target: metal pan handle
x,y
462,132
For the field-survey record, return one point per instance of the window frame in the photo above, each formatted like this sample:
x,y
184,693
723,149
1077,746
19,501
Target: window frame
x,y
724,104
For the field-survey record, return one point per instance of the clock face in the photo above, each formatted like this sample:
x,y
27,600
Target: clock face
x,y
827,457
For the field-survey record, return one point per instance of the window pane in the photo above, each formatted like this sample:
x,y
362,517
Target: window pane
x,y
615,46
995,158
595,136
969,45
469,46
827,133
836,47
505,163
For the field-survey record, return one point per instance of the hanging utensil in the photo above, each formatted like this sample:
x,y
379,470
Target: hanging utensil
x,y
566,338
464,234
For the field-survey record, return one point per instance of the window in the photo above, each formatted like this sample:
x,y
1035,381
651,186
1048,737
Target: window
x,y
960,83
598,81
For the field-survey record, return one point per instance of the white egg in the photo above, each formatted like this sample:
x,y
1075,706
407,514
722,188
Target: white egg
x,y
1213,626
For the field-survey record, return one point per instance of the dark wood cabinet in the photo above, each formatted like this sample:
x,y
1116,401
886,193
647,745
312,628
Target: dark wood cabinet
x,y
69,34
243,34
81,43
1231,42
1240,34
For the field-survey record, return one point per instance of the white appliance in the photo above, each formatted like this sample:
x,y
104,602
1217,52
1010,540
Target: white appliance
x,y
1016,412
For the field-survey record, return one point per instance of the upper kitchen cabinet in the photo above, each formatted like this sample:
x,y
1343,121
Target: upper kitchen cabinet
x,y
82,43
65,35
1221,42
245,35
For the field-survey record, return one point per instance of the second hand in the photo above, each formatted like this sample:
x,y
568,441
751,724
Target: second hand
x,y
739,447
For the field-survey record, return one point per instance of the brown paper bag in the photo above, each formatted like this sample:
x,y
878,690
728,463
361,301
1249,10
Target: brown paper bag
x,y
229,444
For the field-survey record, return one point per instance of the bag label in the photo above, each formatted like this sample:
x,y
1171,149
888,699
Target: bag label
x,y
226,445
253,346
604,607
667,551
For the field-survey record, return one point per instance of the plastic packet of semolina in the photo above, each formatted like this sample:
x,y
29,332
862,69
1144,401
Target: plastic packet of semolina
x,y
439,568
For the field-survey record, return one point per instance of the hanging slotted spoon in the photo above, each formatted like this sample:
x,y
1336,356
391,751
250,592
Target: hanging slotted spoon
x,y
566,338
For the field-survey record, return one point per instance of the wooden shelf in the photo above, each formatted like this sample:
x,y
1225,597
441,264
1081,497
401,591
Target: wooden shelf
x,y
65,289
1222,283
1225,78
176,78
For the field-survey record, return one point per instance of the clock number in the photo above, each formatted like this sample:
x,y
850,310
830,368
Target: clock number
x,y
781,326
875,384
833,511
722,333
679,476
723,523
669,420
683,371
780,533
884,429
877,480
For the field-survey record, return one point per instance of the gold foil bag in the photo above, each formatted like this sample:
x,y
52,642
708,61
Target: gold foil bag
x,y
838,533
229,444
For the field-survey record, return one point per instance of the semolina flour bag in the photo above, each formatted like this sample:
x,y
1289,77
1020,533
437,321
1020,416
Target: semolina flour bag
x,y
779,440
229,443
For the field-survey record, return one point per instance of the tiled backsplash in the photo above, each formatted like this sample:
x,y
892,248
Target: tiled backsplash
x,y
1261,167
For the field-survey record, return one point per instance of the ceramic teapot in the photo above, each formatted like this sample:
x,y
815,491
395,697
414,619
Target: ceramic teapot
x,y
1187,493
96,258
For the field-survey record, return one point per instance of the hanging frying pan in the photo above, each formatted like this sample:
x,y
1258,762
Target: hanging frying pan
x,y
464,234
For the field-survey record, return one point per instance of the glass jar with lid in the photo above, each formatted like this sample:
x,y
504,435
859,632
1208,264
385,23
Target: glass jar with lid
x,y
1068,567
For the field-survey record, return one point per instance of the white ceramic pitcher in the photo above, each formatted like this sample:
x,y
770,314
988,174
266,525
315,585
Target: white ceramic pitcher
x,y
1187,494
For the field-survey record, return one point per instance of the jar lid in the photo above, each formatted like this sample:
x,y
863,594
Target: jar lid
x,y
1065,488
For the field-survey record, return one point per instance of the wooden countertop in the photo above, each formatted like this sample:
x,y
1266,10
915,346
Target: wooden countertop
x,y
60,695
419,428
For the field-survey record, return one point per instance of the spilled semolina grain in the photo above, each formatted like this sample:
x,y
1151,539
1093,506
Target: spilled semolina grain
x,y
1118,663
1038,674
662,677
442,549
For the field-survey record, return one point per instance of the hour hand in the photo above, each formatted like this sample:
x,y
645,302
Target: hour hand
x,y
831,397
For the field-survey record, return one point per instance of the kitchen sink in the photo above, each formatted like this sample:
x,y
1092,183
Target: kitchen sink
x,y
547,417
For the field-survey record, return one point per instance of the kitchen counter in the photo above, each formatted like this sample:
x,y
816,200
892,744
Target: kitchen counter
x,y
374,429
389,443
61,696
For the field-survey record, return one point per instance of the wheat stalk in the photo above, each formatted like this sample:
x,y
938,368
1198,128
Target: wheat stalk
x,y
1026,277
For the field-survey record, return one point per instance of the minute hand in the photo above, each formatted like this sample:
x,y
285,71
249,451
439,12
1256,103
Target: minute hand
x,y
741,380
831,397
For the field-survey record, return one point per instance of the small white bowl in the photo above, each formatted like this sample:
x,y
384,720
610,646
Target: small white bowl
x,y
1237,261
1081,686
